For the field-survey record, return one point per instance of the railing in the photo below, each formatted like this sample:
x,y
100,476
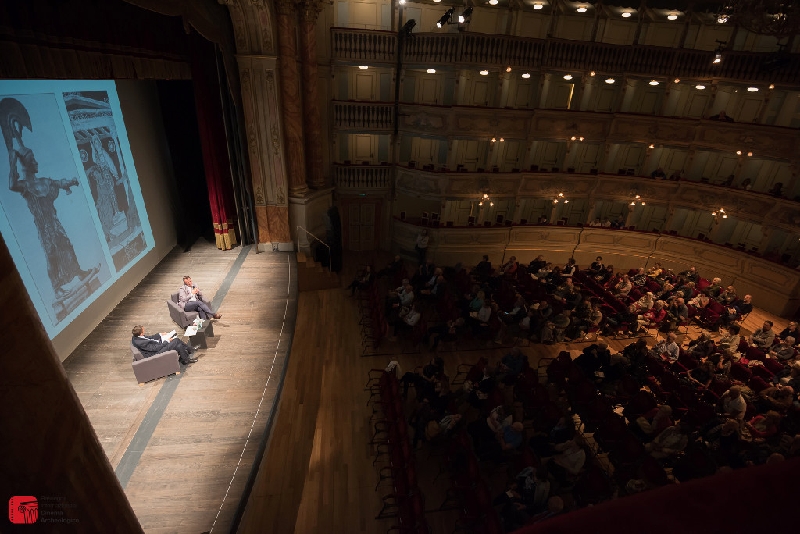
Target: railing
x,y
777,142
362,176
321,242
363,115
503,50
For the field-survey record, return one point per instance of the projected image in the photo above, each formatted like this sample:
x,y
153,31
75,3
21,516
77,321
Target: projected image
x,y
72,214
96,136
44,191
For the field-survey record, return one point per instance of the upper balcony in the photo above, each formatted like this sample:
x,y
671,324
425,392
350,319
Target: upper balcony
x,y
467,49
465,122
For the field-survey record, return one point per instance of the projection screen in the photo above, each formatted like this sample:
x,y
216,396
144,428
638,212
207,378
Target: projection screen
x,y
72,216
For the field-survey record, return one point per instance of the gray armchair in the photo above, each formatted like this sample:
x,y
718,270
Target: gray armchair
x,y
182,318
160,365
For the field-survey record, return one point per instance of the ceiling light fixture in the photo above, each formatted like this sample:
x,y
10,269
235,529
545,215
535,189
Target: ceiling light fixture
x,y
717,58
752,89
653,82
502,140
722,19
672,16
568,77
446,18
609,81
738,152
626,14
581,9
591,73
508,69
431,71
749,154
651,145
772,86
493,2
538,6
363,67
573,138
494,139
484,72
526,75
676,80
700,86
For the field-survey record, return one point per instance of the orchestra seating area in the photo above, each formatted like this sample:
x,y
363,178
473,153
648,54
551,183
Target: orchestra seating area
x,y
632,400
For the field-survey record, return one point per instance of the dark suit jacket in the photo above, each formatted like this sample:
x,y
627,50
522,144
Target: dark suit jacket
x,y
149,345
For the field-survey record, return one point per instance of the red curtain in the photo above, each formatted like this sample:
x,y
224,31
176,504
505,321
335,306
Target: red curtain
x,y
213,140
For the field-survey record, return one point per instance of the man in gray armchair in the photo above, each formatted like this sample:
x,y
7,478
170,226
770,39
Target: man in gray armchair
x,y
191,299
158,343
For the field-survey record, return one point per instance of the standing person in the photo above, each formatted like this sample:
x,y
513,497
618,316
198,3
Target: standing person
x,y
157,344
191,299
421,245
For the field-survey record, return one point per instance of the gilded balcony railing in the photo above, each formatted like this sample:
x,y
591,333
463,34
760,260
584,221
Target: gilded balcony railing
x,y
503,50
362,176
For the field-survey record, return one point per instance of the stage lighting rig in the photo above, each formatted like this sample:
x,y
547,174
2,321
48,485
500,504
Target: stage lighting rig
x,y
446,18
462,18
407,28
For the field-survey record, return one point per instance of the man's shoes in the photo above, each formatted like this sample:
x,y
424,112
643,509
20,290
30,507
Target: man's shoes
x,y
217,316
189,360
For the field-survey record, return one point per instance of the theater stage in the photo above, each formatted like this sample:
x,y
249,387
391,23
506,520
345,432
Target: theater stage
x,y
184,446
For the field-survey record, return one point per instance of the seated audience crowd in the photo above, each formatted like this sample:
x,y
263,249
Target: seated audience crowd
x,y
576,431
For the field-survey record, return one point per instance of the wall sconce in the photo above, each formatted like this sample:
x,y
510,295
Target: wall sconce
x,y
559,198
485,198
720,213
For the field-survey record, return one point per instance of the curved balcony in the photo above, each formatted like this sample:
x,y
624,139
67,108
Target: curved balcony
x,y
474,49
543,124
759,208
775,288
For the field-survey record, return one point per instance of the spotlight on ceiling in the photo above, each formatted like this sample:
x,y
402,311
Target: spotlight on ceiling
x,y
538,5
568,77
610,81
448,15
752,89
626,14
526,75
484,72
653,82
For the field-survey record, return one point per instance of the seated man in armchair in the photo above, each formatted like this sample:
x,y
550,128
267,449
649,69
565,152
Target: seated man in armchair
x,y
191,299
155,344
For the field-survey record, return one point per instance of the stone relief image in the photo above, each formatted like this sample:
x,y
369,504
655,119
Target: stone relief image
x,y
46,205
95,134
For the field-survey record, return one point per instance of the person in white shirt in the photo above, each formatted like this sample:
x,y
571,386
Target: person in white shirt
x,y
733,403
407,320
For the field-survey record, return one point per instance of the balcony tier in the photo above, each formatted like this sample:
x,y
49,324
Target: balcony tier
x,y
473,49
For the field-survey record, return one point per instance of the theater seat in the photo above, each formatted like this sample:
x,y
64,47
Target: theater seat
x,y
160,365
182,318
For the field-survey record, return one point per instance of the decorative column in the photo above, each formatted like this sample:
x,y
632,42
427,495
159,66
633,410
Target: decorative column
x,y
309,10
291,97
261,110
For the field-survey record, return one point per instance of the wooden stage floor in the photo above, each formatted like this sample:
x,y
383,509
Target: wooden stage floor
x,y
184,446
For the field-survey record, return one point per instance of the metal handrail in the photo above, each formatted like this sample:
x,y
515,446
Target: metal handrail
x,y
318,239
